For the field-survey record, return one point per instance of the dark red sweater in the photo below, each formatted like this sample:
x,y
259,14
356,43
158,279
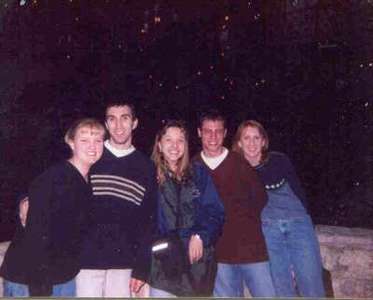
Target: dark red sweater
x,y
244,197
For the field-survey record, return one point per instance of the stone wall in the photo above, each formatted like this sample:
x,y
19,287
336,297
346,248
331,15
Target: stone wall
x,y
347,254
3,247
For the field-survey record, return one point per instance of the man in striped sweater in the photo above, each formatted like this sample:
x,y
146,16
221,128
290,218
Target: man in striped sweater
x,y
116,255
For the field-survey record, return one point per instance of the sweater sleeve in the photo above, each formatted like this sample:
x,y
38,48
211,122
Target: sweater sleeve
x,y
209,208
37,232
146,229
257,194
294,181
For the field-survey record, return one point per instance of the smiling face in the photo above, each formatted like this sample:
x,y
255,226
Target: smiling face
x,y
120,123
172,146
251,142
212,134
87,145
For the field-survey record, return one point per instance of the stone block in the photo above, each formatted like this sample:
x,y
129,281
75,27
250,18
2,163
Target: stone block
x,y
3,247
347,253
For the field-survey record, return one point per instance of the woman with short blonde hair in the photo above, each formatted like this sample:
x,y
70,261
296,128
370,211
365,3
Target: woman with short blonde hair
x,y
43,258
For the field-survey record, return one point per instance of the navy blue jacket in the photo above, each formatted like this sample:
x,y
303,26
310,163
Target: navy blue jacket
x,y
189,207
202,210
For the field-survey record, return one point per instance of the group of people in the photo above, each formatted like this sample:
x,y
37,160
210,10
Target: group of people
x,y
110,222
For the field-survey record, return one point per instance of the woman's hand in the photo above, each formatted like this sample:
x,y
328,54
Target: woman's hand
x,y
195,248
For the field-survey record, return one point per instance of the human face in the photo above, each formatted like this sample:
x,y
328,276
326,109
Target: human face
x,y
212,134
87,146
172,146
251,142
120,124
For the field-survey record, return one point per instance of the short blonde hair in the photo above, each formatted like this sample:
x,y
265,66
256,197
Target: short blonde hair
x,y
94,125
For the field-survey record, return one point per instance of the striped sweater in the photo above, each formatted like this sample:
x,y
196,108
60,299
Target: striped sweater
x,y
122,214
117,186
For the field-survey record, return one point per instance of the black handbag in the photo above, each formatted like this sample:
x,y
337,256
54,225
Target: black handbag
x,y
169,252
172,255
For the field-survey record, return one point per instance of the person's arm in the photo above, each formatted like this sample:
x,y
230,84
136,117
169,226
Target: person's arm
x,y
209,208
293,179
209,215
258,196
37,235
146,228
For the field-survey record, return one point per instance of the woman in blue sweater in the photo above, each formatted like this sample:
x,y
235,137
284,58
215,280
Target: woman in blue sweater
x,y
292,244
190,213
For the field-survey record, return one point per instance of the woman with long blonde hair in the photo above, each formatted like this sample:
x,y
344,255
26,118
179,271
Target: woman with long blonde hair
x,y
190,214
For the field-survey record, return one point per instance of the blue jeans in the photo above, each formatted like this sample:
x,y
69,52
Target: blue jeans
x,y
13,289
293,247
231,277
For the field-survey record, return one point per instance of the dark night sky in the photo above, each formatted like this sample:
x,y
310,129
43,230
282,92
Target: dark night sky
x,y
303,68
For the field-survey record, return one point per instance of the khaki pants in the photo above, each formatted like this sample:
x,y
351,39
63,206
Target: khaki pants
x,y
103,283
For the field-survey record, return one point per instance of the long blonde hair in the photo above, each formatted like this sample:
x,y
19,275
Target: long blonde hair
x,y
183,169
262,132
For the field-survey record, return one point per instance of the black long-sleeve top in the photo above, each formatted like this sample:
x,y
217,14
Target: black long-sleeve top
x,y
46,251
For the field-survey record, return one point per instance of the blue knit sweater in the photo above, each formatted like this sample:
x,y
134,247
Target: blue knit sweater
x,y
278,169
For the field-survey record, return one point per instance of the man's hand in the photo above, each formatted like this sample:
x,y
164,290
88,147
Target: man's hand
x,y
195,248
23,210
137,286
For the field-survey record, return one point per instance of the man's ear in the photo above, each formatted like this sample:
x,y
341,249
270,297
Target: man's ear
x,y
199,132
135,123
225,133
71,144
